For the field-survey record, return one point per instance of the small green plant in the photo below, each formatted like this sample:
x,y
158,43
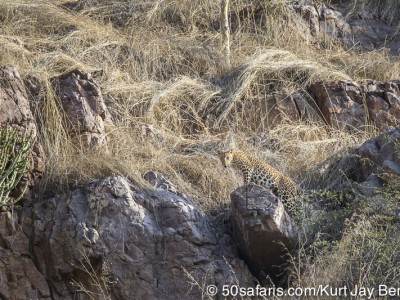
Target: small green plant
x,y
14,149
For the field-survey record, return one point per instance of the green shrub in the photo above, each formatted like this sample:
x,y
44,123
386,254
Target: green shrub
x,y
363,251
14,150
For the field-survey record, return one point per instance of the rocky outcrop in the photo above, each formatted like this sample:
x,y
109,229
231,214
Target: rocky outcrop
x,y
358,26
380,156
341,104
383,102
365,28
112,239
370,28
273,110
19,277
263,231
15,112
159,182
345,104
372,165
85,113
322,20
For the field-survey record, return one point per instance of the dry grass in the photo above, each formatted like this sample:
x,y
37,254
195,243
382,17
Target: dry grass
x,y
159,63
388,10
365,255
273,70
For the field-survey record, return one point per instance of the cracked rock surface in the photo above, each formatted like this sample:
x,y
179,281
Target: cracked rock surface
x,y
111,238
86,114
345,104
263,231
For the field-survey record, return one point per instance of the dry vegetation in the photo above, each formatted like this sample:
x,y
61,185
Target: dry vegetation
x,y
161,63
388,10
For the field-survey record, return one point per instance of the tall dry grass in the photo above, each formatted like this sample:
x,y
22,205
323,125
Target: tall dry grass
x,y
159,63
388,10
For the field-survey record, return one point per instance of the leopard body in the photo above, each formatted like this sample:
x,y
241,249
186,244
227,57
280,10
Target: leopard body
x,y
263,174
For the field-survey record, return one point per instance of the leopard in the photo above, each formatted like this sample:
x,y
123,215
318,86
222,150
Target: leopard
x,y
263,174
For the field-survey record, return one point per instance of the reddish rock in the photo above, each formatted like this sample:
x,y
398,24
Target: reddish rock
x,y
383,102
344,104
340,103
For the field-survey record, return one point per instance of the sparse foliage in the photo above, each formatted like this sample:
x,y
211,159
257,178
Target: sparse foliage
x,y
14,159
388,10
363,252
93,280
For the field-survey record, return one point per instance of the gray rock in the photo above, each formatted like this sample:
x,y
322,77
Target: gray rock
x,y
371,32
380,155
263,230
365,29
374,163
158,181
152,244
322,20
19,277
86,114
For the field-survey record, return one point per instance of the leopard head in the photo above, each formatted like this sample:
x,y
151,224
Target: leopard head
x,y
226,157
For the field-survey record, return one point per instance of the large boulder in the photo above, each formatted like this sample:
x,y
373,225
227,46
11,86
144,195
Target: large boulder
x,y
113,239
15,112
263,231
372,165
85,114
